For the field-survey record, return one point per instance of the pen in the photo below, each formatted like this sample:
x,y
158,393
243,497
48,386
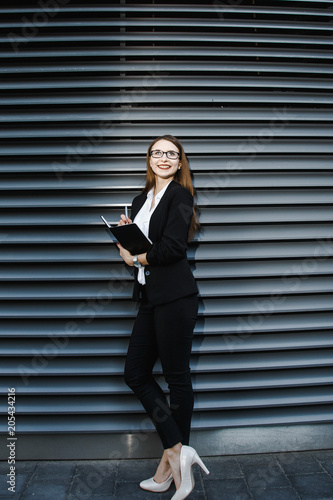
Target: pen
x,y
126,213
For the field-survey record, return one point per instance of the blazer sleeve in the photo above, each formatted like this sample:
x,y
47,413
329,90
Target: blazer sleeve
x,y
134,209
172,245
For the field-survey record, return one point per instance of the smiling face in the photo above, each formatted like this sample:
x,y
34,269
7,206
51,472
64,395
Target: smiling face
x,y
164,168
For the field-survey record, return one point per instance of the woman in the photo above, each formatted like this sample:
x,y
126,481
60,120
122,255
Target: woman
x,y
164,283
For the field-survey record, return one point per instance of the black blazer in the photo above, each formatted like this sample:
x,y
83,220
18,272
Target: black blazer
x,y
168,276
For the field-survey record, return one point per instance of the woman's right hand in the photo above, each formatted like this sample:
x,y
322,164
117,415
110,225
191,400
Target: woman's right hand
x,y
124,220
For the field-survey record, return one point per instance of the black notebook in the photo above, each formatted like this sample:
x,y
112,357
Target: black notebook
x,y
130,237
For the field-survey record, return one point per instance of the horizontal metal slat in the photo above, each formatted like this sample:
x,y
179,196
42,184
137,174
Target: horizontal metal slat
x,y
249,233
257,399
256,214
263,232
210,325
284,285
288,271
244,233
262,131
63,166
209,233
121,287
153,71
52,346
37,199
320,250
208,215
264,321
266,143
263,379
44,405
258,417
257,342
109,289
173,114
163,51
76,182
54,253
68,217
71,385
216,196
257,361
265,305
171,9
202,363
203,382
39,271
180,24
248,197
158,97
159,36
293,273
131,423
66,180
64,328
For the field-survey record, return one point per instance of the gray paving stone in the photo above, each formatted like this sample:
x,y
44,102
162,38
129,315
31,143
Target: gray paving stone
x,y
9,495
132,491
263,472
136,470
227,489
4,467
313,486
94,477
42,491
275,494
24,467
57,472
222,468
20,481
323,454
197,495
90,497
328,467
290,457
299,463
239,477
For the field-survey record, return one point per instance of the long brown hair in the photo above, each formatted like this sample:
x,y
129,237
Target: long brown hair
x,y
182,176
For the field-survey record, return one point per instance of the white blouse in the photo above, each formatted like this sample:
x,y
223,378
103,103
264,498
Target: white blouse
x,y
142,219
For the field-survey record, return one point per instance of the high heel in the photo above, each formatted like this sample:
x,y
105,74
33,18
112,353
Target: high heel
x,y
151,485
188,457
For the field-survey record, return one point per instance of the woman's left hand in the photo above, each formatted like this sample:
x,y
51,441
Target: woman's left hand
x,y
125,255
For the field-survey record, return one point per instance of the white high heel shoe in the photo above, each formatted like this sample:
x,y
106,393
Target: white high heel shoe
x,y
151,485
188,457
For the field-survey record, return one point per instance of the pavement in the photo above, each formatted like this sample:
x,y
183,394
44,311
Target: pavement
x,y
306,475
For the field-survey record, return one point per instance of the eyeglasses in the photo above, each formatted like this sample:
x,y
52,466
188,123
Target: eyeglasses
x,y
157,153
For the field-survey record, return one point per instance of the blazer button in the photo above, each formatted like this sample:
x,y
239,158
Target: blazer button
x,y
147,273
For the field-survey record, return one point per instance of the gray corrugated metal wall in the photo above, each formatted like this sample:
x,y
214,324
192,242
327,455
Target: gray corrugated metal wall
x,y
247,87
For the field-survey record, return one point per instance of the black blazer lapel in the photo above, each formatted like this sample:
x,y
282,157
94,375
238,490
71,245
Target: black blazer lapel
x,y
156,222
139,200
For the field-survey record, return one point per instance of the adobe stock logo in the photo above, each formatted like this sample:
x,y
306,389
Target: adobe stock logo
x,y
39,19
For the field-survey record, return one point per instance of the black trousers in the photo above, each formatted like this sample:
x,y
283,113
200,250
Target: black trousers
x,y
166,332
